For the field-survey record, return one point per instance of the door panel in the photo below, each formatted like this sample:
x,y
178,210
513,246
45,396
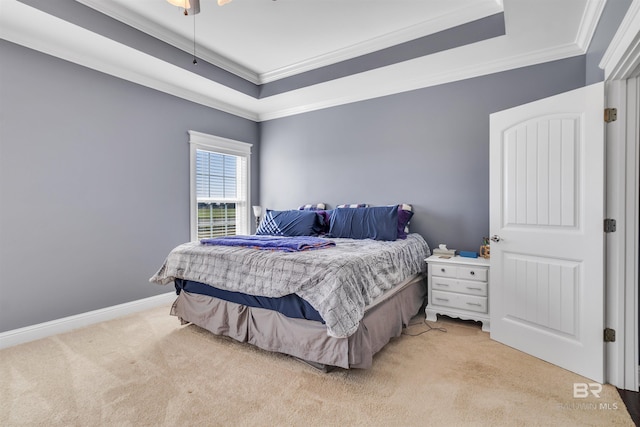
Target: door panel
x,y
544,294
541,160
547,207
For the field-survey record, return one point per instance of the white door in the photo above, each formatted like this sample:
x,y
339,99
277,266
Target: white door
x,y
547,210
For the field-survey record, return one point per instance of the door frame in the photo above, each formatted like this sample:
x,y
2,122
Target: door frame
x,y
621,64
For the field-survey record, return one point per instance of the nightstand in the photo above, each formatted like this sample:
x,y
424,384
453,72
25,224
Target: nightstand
x,y
458,287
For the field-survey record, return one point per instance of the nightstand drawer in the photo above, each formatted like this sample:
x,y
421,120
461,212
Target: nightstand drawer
x,y
467,273
444,270
471,273
460,286
461,301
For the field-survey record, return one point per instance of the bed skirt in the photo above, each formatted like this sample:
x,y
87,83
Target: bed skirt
x,y
307,339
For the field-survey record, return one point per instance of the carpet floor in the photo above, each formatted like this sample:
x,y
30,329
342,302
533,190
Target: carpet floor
x,y
147,370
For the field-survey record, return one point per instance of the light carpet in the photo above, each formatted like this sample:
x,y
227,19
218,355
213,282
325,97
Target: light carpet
x,y
147,370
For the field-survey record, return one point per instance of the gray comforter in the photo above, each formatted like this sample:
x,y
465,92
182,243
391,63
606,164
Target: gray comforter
x,y
339,281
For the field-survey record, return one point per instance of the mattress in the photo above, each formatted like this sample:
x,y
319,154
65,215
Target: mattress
x,y
290,305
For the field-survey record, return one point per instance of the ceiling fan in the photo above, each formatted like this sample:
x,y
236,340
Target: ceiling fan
x,y
192,7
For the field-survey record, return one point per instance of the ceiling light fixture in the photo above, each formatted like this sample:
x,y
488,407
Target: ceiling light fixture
x,y
192,7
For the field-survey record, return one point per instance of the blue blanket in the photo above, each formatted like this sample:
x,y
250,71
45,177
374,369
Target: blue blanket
x,y
274,243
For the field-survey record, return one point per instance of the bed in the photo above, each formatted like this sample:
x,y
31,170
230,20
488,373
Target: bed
x,y
335,305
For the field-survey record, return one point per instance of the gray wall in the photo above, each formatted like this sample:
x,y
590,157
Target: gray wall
x,y
94,170
94,188
427,147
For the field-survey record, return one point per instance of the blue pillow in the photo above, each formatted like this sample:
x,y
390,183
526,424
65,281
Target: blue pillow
x,y
378,223
290,223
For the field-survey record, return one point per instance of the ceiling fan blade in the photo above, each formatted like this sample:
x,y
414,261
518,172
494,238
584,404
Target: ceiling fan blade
x,y
191,7
180,3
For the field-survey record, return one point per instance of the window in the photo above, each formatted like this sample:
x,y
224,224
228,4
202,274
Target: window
x,y
219,186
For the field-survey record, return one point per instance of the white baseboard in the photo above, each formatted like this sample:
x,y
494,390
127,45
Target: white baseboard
x,y
66,324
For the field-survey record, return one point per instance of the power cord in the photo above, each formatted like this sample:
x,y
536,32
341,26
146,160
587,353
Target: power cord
x,y
430,328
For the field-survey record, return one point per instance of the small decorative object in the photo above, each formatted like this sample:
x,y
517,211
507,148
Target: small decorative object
x,y
469,254
443,252
485,248
257,212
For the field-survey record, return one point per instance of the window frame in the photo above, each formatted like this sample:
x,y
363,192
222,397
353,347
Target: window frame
x,y
217,144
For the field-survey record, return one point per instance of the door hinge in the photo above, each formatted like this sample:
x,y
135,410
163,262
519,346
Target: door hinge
x,y
609,335
609,225
610,115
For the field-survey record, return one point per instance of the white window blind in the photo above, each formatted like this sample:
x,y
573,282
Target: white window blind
x,y
219,186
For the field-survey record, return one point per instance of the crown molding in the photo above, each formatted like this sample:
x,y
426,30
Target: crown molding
x,y
622,57
119,13
589,23
439,23
361,92
453,18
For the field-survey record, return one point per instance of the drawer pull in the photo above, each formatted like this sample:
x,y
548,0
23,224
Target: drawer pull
x,y
477,304
473,289
473,273
442,270
442,299
446,285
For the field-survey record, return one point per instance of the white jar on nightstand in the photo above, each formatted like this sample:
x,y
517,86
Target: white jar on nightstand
x,y
458,287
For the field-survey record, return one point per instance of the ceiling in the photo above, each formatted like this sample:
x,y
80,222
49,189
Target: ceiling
x,y
263,40
266,40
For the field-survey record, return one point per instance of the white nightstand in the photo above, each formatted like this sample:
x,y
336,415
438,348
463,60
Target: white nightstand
x,y
458,287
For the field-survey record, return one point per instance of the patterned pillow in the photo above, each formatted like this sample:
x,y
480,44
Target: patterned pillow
x,y
290,223
356,205
405,212
316,207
